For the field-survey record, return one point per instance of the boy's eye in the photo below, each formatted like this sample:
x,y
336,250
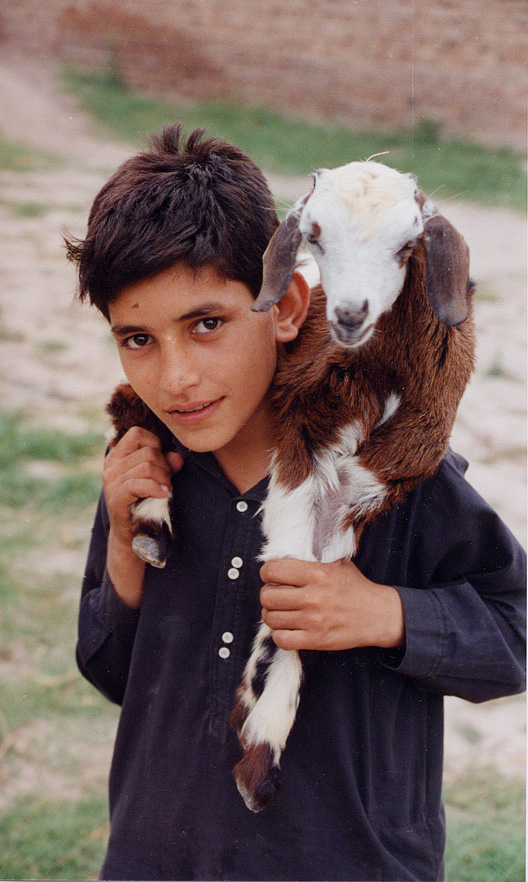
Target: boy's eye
x,y
138,341
206,325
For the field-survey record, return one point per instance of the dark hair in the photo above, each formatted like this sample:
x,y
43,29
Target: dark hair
x,y
200,200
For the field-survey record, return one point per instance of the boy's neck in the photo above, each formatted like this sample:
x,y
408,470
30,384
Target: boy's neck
x,y
247,459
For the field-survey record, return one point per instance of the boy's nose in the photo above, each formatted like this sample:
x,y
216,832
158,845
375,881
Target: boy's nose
x,y
176,373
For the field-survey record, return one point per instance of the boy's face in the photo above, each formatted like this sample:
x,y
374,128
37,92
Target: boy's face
x,y
199,357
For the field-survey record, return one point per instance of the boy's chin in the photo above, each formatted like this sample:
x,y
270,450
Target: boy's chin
x,y
196,444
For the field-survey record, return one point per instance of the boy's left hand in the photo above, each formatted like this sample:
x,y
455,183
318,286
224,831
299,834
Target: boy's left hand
x,y
328,606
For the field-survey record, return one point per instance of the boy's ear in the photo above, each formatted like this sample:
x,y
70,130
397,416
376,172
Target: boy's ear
x,y
292,309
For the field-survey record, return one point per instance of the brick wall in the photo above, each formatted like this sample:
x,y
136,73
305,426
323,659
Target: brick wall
x,y
368,63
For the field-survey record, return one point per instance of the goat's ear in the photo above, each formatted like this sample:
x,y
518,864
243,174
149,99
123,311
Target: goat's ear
x,y
447,270
279,259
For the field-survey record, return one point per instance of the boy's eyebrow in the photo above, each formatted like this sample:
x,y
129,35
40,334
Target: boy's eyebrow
x,y
126,330
203,309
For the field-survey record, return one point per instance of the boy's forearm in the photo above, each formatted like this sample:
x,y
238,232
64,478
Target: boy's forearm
x,y
126,571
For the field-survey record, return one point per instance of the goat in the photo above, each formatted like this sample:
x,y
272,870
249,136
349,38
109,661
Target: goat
x,y
151,518
364,400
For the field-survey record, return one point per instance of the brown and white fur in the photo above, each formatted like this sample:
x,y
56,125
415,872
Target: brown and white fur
x,y
364,399
364,402
151,517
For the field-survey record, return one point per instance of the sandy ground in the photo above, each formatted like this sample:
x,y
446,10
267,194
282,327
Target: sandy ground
x,y
58,361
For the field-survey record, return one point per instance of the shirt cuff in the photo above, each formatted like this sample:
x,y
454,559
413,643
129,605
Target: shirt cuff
x,y
425,635
120,619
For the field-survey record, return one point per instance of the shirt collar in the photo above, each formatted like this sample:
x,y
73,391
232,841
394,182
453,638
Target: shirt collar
x,y
208,462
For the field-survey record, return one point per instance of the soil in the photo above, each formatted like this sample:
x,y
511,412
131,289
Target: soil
x,y
58,361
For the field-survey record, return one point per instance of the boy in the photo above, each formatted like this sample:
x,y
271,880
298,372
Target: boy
x,y
433,603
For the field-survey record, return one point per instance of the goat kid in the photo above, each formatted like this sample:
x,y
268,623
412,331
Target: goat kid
x,y
364,400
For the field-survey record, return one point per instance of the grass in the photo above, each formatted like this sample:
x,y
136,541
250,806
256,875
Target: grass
x,y
53,841
68,486
448,167
485,829
15,157
55,730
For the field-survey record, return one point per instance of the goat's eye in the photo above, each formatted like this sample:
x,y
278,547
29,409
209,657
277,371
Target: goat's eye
x,y
405,251
313,237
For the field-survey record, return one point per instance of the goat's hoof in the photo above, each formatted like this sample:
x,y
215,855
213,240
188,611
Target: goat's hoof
x,y
257,777
152,551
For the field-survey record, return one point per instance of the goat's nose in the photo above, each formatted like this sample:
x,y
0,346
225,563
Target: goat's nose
x,y
351,317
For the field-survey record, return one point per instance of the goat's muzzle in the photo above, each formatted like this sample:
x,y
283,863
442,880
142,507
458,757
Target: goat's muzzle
x,y
349,324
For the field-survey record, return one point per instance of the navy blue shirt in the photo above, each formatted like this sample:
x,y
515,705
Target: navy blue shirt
x,y
362,769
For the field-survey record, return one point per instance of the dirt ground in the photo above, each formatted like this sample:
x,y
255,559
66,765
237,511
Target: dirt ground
x,y
58,361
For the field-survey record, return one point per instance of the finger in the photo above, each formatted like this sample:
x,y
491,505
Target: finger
x,y
137,467
144,457
175,460
281,597
144,488
290,640
155,468
283,620
287,571
135,438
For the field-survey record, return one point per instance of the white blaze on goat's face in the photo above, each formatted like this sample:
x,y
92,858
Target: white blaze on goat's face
x,y
357,222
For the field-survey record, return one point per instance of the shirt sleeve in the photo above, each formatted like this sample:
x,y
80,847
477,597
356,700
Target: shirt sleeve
x,y
466,633
107,626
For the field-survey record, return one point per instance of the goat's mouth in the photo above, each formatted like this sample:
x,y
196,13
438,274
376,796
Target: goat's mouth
x,y
349,337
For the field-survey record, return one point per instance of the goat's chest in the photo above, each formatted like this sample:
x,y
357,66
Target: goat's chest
x,y
346,492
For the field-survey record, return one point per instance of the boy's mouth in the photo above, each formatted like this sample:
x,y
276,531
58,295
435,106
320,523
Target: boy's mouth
x,y
192,409
195,412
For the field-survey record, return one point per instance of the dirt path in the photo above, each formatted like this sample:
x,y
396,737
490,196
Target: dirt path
x,y
58,361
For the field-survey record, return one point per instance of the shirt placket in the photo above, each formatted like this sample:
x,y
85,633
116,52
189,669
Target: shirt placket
x,y
237,591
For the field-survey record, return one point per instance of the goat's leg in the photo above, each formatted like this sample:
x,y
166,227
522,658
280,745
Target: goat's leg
x,y
288,520
269,694
151,518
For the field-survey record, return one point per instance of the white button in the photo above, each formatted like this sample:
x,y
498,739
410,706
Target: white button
x,y
242,506
237,562
227,637
224,652
233,573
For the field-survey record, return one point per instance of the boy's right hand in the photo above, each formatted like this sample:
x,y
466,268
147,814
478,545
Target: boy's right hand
x,y
134,469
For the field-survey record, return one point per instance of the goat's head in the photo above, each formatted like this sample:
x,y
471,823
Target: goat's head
x,y
361,222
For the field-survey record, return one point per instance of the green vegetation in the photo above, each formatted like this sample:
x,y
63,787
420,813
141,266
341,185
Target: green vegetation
x,y
66,485
55,730
28,209
59,840
447,167
15,157
485,829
